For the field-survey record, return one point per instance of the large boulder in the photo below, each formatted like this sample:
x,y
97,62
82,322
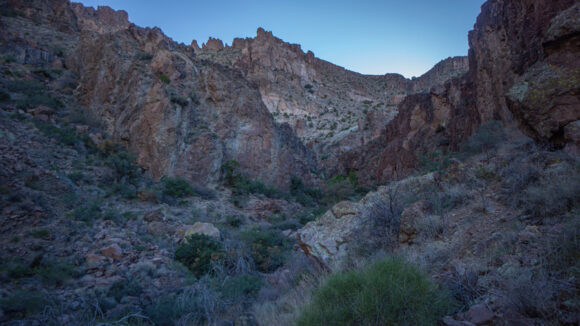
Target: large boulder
x,y
349,229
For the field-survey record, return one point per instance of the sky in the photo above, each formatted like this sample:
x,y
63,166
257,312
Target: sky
x,y
367,36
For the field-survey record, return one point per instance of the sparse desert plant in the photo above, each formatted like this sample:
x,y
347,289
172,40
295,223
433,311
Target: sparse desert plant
x,y
198,252
269,248
124,167
88,212
388,292
241,287
176,187
487,137
23,304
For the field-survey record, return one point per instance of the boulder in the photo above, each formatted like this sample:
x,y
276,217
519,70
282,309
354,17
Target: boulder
x,y
479,314
202,228
113,251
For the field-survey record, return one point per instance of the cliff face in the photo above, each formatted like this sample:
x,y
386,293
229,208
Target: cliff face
x,y
523,71
331,109
179,115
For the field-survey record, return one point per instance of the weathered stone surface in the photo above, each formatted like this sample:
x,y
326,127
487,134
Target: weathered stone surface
x,y
348,226
479,314
113,251
202,228
327,238
409,218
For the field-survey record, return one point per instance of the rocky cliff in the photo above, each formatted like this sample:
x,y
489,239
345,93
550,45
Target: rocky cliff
x,y
180,115
523,71
333,110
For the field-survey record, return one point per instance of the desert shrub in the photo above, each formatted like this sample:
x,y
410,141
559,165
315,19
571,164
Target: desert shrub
x,y
269,248
203,192
127,191
564,256
4,97
27,87
197,304
389,292
55,272
540,192
176,187
198,252
124,167
76,176
23,304
88,212
66,136
435,161
84,116
164,79
258,187
455,196
144,56
233,221
532,294
40,233
123,288
384,222
35,100
557,192
304,195
487,137
242,186
338,191
464,288
241,287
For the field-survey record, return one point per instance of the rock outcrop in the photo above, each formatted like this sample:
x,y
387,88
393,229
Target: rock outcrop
x,y
213,44
351,228
523,71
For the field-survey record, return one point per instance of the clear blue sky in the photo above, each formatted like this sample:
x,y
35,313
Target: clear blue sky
x,y
367,36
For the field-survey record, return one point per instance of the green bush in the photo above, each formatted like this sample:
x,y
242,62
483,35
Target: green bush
x,y
54,273
88,213
124,190
269,248
66,136
23,304
40,233
124,167
434,161
176,187
233,221
123,288
304,195
242,287
198,252
164,79
389,292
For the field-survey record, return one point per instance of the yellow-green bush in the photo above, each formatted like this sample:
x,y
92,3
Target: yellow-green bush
x,y
389,292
